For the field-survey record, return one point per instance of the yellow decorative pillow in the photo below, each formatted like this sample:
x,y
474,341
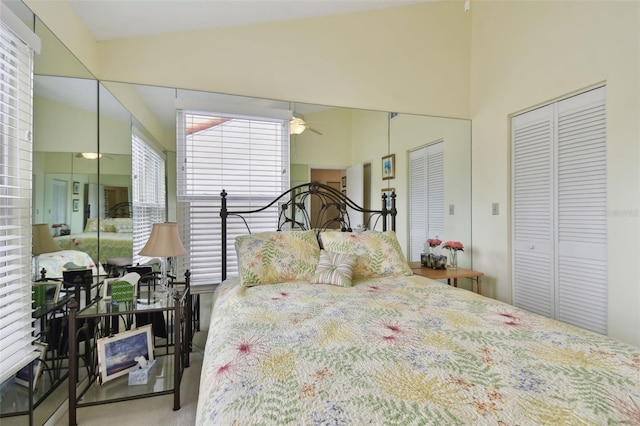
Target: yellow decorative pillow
x,y
279,256
378,253
110,228
334,268
92,225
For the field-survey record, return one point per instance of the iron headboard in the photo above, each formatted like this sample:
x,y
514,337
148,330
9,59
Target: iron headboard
x,y
294,208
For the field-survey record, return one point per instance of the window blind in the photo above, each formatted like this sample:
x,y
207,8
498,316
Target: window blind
x,y
148,192
16,100
246,156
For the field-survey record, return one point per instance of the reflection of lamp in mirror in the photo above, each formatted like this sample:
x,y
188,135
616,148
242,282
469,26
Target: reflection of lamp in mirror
x,y
296,126
164,242
41,242
89,155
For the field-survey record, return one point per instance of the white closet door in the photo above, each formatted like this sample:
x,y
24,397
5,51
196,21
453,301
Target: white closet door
x,y
532,196
355,191
559,210
435,190
60,203
582,211
426,196
417,202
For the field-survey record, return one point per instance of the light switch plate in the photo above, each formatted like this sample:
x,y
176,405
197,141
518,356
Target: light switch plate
x,y
495,209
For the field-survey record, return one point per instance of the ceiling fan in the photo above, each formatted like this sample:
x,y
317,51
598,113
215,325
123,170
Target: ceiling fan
x,y
297,125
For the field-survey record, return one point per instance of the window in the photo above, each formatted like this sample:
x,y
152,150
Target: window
x,y
149,195
16,107
246,156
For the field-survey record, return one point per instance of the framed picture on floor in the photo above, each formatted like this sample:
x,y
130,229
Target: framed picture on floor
x,y
37,366
46,293
117,354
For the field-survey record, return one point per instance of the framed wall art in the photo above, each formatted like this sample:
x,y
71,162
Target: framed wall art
x,y
117,354
76,205
76,187
389,166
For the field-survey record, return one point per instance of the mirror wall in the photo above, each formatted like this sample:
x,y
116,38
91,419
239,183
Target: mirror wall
x,y
82,161
349,137
65,130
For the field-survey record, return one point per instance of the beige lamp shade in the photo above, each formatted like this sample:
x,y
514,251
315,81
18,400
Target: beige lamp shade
x,y
42,241
164,241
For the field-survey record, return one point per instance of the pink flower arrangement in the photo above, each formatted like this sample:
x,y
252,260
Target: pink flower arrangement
x,y
453,245
434,242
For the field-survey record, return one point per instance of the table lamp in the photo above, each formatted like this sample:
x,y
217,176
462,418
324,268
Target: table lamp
x,y
164,242
41,242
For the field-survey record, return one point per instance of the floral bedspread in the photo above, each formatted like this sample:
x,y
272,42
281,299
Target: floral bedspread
x,y
403,351
112,244
55,262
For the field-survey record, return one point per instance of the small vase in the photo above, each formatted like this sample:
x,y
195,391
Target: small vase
x,y
454,259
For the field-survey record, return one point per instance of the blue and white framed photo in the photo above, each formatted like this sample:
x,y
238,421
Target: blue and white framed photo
x,y
389,166
117,354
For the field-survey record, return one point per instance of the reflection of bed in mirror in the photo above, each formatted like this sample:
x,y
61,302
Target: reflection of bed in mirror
x,y
115,235
59,261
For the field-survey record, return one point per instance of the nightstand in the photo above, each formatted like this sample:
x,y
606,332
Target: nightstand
x,y
448,274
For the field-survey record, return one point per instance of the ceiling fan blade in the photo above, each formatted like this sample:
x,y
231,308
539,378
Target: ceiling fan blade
x,y
312,130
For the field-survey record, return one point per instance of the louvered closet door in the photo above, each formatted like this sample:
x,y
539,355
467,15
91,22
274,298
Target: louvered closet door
x,y
582,211
417,202
559,211
533,206
435,190
426,192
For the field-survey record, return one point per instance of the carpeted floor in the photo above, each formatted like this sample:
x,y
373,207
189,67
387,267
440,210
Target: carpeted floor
x,y
154,410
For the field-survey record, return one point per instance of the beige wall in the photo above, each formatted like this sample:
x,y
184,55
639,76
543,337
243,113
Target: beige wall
x,y
408,59
60,18
332,148
529,53
63,128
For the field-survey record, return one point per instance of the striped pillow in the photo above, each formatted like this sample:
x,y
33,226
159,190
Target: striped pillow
x,y
334,268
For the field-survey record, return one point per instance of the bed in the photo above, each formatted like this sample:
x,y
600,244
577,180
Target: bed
x,y
65,260
115,237
360,340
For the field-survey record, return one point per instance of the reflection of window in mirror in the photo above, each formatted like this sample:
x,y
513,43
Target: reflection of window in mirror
x,y
426,200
